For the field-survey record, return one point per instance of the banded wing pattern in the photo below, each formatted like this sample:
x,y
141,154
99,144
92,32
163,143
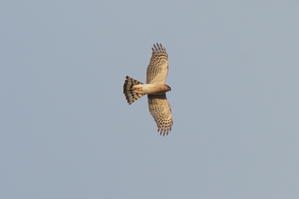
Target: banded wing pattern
x,y
158,67
161,112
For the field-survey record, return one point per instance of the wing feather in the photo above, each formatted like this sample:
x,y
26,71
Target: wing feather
x,y
159,108
157,69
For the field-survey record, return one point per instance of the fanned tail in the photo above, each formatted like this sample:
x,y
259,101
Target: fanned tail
x,y
130,94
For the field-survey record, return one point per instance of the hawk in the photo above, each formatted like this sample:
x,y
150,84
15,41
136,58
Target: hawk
x,y
155,89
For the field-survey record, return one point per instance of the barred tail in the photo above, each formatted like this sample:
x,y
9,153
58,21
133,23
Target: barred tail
x,y
130,94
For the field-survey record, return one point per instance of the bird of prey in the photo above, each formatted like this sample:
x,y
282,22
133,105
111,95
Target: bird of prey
x,y
155,89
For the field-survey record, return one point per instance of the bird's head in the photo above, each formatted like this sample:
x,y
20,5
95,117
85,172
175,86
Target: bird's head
x,y
168,88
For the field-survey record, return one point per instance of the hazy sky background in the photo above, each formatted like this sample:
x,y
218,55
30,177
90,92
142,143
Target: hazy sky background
x,y
67,131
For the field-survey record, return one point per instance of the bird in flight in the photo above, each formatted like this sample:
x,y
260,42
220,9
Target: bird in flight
x,y
155,89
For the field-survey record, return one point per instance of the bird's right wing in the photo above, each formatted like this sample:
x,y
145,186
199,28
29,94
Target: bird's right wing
x,y
160,109
157,69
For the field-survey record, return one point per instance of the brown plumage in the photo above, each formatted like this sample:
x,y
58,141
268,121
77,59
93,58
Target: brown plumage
x,y
130,94
155,88
160,110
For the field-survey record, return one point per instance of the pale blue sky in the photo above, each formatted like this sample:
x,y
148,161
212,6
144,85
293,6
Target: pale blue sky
x,y
67,132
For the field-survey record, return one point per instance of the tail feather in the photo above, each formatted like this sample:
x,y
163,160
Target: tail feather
x,y
130,94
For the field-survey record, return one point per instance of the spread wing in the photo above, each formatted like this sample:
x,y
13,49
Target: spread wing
x,y
158,67
160,109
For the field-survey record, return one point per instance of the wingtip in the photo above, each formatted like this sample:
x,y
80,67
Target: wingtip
x,y
158,47
163,132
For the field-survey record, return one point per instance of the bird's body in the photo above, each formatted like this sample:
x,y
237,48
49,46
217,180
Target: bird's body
x,y
155,88
152,89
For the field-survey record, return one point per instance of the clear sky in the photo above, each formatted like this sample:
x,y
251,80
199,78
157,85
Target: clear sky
x,y
67,132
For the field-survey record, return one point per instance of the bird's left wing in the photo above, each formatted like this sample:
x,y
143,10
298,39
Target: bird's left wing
x,y
157,69
160,109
